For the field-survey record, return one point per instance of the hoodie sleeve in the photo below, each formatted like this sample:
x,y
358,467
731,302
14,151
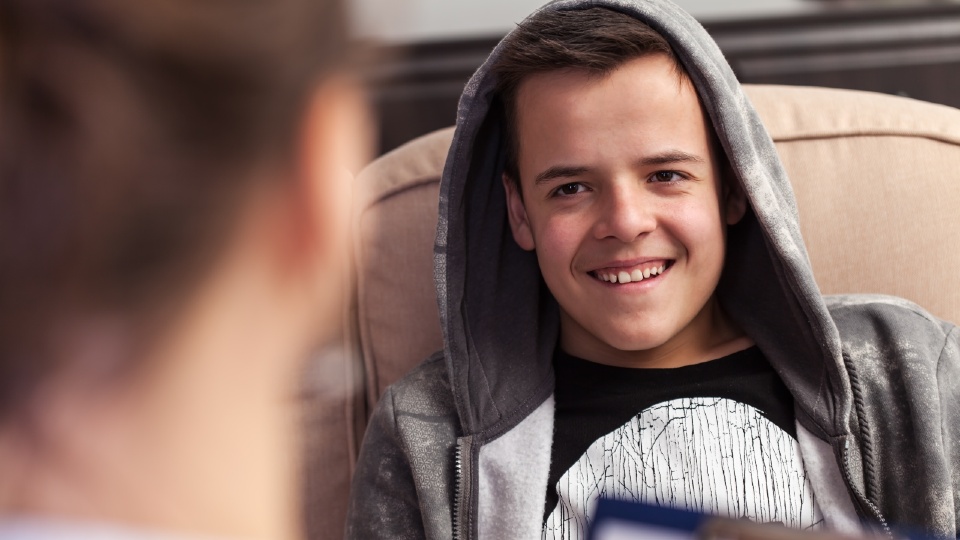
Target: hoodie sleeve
x,y
383,498
948,377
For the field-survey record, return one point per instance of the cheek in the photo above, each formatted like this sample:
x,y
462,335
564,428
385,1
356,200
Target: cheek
x,y
557,239
700,229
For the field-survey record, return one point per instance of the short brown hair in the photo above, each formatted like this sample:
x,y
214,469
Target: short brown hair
x,y
596,40
128,133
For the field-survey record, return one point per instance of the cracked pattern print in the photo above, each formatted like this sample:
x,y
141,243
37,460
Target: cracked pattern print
x,y
711,455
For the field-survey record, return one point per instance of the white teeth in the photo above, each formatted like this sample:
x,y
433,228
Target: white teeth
x,y
630,277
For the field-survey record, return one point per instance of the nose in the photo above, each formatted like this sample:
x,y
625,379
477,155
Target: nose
x,y
625,212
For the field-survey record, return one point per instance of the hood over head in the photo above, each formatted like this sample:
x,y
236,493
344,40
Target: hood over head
x,y
500,323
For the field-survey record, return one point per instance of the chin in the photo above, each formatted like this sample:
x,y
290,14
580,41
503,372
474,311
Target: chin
x,y
633,341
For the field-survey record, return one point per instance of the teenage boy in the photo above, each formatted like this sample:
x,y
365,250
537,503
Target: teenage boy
x,y
628,311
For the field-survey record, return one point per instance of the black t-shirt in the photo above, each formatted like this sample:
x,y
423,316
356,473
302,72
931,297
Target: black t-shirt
x,y
739,392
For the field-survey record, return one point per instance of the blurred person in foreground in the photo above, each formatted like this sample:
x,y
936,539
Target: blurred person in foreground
x,y
171,211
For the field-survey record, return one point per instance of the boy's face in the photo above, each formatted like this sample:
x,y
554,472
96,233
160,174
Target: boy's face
x,y
620,180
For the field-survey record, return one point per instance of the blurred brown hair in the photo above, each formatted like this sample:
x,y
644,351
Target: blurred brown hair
x,y
594,40
129,131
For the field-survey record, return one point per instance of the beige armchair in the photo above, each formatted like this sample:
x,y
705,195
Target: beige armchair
x,y
877,180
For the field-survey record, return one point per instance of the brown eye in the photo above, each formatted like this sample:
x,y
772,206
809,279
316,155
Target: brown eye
x,y
665,176
570,189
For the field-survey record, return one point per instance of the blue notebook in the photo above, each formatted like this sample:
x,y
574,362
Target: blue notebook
x,y
622,520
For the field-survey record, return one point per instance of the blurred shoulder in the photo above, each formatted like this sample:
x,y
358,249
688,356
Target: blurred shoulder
x,y
55,529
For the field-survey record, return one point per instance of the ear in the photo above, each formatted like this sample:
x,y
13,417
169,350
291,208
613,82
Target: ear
x,y
734,198
334,142
517,214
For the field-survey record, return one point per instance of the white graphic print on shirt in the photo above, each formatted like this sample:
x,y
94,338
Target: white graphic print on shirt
x,y
711,455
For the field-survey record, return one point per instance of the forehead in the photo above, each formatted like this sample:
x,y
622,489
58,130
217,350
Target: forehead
x,y
643,107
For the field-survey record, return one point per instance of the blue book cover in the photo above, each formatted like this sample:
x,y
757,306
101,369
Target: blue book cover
x,y
627,520
623,520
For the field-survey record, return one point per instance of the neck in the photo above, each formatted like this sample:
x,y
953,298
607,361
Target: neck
x,y
200,439
710,335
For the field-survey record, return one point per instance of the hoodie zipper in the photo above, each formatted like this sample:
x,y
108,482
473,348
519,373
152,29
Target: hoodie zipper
x,y
462,489
849,479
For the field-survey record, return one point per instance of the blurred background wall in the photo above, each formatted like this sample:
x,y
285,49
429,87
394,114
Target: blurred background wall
x,y
905,47
421,20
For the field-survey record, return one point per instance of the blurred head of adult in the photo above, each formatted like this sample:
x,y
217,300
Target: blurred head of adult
x,y
173,178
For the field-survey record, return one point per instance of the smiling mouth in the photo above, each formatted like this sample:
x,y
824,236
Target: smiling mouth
x,y
635,274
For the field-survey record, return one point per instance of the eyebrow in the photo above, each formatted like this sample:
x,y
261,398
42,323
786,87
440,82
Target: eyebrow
x,y
663,158
671,156
560,171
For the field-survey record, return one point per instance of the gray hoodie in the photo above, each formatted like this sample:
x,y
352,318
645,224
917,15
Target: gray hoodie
x,y
461,446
